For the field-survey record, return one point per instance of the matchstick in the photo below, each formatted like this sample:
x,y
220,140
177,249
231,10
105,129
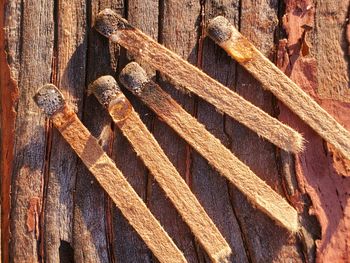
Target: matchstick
x,y
147,148
51,101
185,75
274,80
219,157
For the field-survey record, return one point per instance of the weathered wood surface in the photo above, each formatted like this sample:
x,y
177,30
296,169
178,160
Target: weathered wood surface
x,y
58,211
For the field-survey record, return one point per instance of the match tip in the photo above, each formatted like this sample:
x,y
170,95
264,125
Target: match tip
x,y
108,22
105,89
133,77
49,99
219,29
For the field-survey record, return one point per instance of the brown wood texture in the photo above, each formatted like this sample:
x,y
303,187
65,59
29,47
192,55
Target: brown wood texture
x,y
53,210
186,76
109,177
162,170
218,156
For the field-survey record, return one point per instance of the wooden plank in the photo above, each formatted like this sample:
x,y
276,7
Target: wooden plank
x,y
332,48
70,55
92,230
128,247
29,42
211,188
178,31
262,243
8,99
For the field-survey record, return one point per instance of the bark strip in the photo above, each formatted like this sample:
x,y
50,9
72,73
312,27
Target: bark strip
x,y
147,148
218,156
144,48
51,101
274,80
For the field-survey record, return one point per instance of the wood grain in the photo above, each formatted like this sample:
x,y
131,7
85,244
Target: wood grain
x,y
273,79
185,75
59,185
147,148
210,188
108,175
127,245
260,155
256,190
92,233
178,27
40,40
29,40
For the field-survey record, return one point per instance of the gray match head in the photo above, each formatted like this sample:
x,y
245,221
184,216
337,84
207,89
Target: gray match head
x,y
108,22
49,99
105,89
133,77
219,29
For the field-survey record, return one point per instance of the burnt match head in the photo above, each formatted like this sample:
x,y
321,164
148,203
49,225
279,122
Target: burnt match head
x,y
105,89
133,77
219,29
108,22
49,99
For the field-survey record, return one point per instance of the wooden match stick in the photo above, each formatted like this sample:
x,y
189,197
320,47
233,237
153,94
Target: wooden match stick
x,y
141,46
274,80
51,101
219,157
108,94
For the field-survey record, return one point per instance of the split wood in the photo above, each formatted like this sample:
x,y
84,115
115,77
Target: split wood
x,y
257,191
274,80
143,47
123,114
51,101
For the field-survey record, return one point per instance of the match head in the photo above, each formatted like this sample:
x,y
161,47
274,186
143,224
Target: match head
x,y
49,99
108,22
219,29
133,77
105,89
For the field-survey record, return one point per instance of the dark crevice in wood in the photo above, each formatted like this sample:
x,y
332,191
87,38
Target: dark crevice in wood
x,y
66,252
245,243
45,183
228,135
161,9
109,205
48,137
239,16
20,46
346,41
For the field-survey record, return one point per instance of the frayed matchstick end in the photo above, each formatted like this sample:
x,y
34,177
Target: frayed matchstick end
x,y
219,29
133,77
105,89
223,256
108,22
49,99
